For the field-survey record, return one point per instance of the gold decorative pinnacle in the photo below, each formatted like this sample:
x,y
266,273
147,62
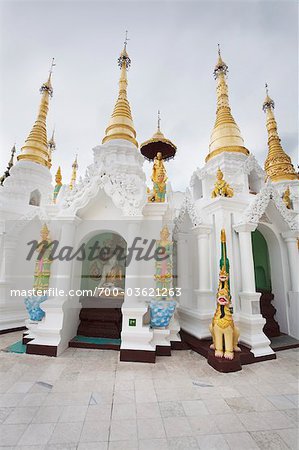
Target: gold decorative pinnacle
x,y
74,173
121,123
226,135
58,176
35,148
278,164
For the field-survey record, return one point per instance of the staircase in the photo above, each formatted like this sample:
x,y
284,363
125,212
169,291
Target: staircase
x,y
100,323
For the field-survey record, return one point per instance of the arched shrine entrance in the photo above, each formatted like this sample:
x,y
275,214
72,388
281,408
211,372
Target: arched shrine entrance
x,y
102,285
263,283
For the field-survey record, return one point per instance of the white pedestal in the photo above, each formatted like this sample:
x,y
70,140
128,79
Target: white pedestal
x,y
31,326
195,322
135,335
161,337
293,303
174,328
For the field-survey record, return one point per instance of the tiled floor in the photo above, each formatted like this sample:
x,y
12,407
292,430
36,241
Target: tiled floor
x,y
86,399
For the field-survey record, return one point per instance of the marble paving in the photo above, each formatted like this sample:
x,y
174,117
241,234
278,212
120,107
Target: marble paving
x,y
87,399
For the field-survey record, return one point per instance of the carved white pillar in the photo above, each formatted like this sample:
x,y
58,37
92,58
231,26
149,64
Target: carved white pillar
x,y
202,233
136,337
60,323
247,264
132,270
182,261
195,318
290,238
251,322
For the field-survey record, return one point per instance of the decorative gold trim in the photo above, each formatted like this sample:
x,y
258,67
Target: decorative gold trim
x,y
227,150
286,176
120,136
36,159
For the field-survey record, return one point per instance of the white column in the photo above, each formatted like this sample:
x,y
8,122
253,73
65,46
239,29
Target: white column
x,y
135,335
195,318
60,323
247,264
290,238
251,322
202,232
182,262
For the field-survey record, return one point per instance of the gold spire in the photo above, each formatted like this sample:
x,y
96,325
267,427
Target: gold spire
x,y
74,172
278,164
51,149
121,123
36,146
226,135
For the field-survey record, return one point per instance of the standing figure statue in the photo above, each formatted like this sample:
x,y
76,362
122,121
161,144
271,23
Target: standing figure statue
x,y
221,187
41,278
43,262
164,274
224,332
159,179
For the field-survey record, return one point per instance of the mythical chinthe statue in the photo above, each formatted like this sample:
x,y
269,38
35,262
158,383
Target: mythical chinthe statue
x,y
221,187
224,332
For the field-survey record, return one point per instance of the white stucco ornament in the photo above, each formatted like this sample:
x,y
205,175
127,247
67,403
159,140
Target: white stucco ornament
x,y
258,207
188,207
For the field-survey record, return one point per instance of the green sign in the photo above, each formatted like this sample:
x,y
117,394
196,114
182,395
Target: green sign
x,y
132,322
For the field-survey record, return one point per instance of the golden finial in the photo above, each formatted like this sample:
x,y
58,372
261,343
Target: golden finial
x,y
44,234
278,164
58,179
51,148
121,123
159,120
74,173
58,176
226,135
35,148
223,235
9,166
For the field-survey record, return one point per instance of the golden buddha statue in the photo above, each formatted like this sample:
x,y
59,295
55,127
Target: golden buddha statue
x,y
286,198
159,179
221,187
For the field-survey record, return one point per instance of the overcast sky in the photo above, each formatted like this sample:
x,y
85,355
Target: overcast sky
x,y
173,47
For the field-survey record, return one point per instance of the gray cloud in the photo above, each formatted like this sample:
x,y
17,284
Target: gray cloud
x,y
173,48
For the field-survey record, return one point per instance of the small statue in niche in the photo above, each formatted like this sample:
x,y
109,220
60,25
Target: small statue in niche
x,y
221,187
286,198
159,179
224,332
